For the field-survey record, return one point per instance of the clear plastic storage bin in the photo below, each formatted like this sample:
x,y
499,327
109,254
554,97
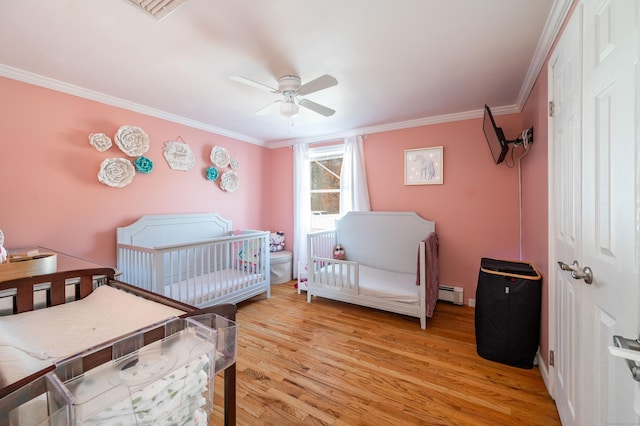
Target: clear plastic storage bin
x,y
129,381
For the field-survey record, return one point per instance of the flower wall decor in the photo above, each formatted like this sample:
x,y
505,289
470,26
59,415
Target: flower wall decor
x,y
229,180
212,173
132,140
143,165
119,172
220,157
100,141
116,172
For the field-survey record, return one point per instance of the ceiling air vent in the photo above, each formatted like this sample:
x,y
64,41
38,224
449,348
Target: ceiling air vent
x,y
157,8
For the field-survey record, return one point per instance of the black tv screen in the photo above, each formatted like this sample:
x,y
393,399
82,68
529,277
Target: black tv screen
x,y
495,137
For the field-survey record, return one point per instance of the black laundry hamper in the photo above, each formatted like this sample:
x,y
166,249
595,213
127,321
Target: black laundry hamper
x,y
507,316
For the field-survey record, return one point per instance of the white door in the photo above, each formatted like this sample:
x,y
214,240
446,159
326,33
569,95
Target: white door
x,y
565,82
610,204
597,388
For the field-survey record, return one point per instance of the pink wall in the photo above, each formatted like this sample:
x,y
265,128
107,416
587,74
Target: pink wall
x,y
50,192
281,203
475,210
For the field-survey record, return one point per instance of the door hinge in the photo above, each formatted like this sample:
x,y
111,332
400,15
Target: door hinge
x,y
552,358
552,108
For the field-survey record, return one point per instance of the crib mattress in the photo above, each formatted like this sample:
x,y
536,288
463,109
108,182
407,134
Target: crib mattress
x,y
206,287
395,286
31,341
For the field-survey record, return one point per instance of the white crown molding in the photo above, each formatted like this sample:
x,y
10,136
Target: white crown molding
x,y
49,83
559,11
510,109
379,129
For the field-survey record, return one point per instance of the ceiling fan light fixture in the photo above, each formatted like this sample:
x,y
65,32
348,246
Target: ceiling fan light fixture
x,y
289,109
289,86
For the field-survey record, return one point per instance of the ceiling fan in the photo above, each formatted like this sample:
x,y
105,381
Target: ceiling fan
x,y
292,90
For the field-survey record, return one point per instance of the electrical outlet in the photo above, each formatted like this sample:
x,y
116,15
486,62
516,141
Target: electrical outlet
x,y
472,303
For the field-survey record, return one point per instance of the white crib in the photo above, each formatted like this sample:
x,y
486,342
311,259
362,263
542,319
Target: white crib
x,y
386,257
194,258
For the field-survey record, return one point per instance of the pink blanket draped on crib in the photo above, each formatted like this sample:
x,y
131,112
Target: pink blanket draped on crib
x,y
432,271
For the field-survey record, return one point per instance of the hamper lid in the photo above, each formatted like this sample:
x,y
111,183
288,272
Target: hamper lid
x,y
509,267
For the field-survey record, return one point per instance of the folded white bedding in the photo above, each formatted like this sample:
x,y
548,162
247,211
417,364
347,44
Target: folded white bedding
x,y
34,340
175,399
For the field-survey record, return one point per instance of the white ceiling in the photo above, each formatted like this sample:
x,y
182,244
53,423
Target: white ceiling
x,y
399,63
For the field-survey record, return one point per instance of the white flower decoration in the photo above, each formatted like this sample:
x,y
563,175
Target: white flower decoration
x,y
235,163
220,157
132,140
229,181
116,172
100,141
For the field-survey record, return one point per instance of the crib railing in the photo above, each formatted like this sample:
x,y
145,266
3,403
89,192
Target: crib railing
x,y
321,243
323,270
199,272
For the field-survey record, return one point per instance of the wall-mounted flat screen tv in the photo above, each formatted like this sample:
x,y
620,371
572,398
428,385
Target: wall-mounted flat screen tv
x,y
495,137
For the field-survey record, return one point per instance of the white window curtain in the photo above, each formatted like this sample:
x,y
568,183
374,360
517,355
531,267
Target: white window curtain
x,y
301,204
354,193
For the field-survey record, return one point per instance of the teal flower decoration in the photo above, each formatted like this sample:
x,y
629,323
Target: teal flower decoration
x,y
212,173
143,165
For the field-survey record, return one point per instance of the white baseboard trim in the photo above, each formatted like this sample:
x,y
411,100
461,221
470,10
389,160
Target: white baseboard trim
x,y
544,372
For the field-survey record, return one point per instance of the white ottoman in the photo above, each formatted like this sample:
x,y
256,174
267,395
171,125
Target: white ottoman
x,y
281,266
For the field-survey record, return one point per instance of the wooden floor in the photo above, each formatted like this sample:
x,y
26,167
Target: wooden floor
x,y
331,363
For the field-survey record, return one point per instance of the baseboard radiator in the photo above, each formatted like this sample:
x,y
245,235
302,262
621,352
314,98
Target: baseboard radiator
x,y
451,294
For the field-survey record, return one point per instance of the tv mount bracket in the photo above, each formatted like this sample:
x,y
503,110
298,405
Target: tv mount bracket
x,y
528,133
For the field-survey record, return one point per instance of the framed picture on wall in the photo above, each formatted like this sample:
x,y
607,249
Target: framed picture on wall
x,y
423,166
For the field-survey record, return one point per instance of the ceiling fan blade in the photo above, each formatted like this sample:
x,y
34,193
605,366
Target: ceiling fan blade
x,y
320,109
319,83
269,108
253,83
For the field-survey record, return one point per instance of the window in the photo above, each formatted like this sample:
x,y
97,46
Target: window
x,y
326,164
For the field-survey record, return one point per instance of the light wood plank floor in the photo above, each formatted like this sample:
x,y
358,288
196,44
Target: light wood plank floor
x,y
330,363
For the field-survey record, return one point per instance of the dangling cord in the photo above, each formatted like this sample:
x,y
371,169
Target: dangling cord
x,y
525,144
289,125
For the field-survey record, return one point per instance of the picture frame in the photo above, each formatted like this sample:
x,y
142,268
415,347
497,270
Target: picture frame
x,y
424,166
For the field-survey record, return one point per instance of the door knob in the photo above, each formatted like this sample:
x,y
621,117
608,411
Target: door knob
x,y
578,273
